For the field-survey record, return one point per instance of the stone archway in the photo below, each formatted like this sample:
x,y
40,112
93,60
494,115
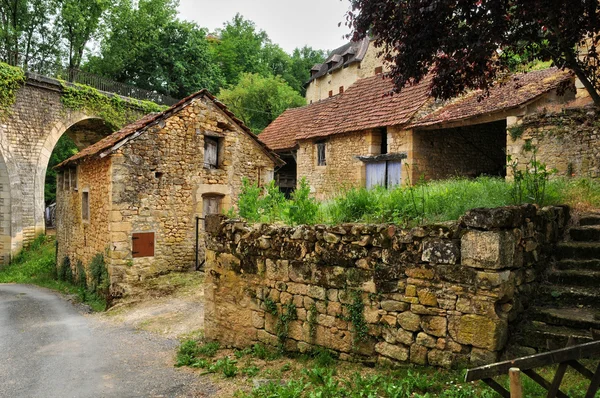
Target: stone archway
x,y
84,130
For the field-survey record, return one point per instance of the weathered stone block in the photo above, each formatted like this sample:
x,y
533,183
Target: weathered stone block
x,y
440,358
434,325
394,306
440,251
409,321
502,217
488,250
481,357
397,352
427,297
418,354
479,331
426,340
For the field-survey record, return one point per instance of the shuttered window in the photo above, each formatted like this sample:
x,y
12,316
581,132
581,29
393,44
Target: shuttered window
x,y
143,244
85,206
321,159
211,153
384,174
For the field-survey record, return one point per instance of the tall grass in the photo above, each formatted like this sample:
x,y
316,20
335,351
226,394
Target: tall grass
x,y
425,202
36,265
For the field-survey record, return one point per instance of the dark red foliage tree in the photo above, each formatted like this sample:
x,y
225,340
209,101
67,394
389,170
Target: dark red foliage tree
x,y
466,44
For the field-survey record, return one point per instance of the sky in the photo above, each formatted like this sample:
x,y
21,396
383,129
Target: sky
x,y
289,23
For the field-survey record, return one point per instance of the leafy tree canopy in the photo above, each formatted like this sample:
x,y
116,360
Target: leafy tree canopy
x,y
465,44
258,100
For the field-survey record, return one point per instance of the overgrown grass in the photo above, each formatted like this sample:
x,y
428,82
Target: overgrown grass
x,y
320,374
426,202
36,265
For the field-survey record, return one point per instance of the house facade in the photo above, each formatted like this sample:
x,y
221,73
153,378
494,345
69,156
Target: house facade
x,y
140,195
366,137
342,68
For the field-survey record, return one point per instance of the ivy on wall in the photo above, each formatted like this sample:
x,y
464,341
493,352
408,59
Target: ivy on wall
x,y
11,79
116,111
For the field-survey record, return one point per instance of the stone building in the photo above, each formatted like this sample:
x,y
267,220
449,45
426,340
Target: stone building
x,y
139,195
365,137
342,68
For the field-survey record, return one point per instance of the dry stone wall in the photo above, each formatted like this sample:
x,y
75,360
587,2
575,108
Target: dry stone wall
x,y
568,141
441,294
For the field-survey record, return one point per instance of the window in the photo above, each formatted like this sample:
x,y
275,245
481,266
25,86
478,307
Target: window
x,y
321,159
386,173
142,244
331,93
384,141
73,176
341,89
211,153
379,70
85,206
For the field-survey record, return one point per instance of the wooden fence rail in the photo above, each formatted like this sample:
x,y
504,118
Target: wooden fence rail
x,y
565,357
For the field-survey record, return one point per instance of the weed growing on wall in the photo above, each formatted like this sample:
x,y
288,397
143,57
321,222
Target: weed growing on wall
x,y
356,316
530,183
11,79
113,109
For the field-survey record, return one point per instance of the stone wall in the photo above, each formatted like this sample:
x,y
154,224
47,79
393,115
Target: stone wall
x,y
441,295
76,238
568,141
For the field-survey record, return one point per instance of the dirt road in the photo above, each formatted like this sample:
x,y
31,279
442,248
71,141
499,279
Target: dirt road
x,y
50,349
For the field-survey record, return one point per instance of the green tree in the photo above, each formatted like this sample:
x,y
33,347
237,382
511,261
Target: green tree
x,y
79,20
258,100
148,47
301,61
239,49
64,149
27,34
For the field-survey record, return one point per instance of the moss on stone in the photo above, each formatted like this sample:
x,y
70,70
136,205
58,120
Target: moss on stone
x,y
11,79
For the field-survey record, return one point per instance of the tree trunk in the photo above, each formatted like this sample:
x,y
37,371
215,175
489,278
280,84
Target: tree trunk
x,y
572,63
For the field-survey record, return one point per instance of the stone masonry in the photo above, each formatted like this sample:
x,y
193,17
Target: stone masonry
x,y
27,137
441,295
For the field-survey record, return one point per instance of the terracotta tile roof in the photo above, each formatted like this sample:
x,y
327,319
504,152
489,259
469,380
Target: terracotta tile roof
x,y
365,104
519,90
152,119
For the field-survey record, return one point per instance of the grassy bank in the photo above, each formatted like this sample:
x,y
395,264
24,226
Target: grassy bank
x,y
36,265
425,202
320,374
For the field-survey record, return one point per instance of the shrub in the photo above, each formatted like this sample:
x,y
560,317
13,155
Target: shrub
x,y
99,279
65,273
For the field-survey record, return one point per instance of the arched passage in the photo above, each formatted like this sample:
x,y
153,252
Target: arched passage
x,y
84,130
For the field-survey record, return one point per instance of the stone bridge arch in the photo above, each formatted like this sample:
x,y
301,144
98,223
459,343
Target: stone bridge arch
x,y
28,136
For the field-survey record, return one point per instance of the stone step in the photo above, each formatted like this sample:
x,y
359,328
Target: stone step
x,y
589,219
572,317
564,296
536,334
590,233
578,250
575,277
578,265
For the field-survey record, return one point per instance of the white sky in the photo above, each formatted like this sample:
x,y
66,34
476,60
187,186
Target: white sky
x,y
289,23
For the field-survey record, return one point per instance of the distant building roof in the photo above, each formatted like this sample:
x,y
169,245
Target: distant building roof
x,y
153,119
365,104
345,55
368,104
515,92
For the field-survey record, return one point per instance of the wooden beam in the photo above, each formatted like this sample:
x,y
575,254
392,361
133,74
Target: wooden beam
x,y
543,382
516,388
585,372
586,350
558,378
593,388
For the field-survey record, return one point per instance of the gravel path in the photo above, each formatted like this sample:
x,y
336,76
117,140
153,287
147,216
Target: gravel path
x,y
49,349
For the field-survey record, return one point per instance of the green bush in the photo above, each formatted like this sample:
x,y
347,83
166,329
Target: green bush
x,y
65,272
99,279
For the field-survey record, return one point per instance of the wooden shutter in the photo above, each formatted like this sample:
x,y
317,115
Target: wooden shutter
x,y
321,159
211,151
394,173
85,206
143,244
376,174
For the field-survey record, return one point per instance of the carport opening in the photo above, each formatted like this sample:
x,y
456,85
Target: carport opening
x,y
466,151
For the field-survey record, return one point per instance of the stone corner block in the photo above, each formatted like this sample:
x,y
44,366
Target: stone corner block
x,y
487,249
